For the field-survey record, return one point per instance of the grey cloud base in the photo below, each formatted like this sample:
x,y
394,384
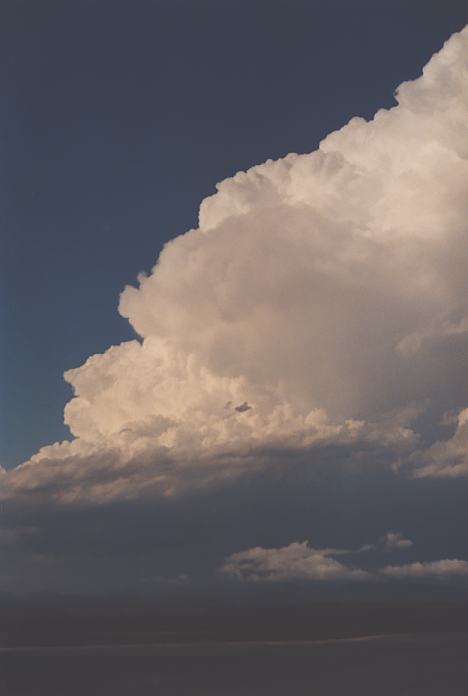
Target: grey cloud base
x,y
326,496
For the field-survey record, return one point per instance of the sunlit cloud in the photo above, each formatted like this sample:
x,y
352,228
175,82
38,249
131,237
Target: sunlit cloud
x,y
307,309
301,562
298,561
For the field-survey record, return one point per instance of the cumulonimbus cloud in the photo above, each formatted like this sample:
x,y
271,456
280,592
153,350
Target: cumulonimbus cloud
x,y
322,300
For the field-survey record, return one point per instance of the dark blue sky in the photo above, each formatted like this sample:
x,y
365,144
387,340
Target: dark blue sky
x,y
117,118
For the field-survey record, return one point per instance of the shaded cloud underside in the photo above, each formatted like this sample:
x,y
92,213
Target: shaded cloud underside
x,y
321,301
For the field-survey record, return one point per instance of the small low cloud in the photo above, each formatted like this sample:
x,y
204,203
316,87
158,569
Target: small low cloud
x,y
298,561
395,541
301,562
391,541
447,568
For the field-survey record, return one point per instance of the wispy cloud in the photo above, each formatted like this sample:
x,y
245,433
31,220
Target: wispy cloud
x,y
393,541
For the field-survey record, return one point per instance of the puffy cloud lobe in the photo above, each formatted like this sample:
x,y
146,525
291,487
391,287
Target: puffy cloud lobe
x,y
447,457
394,541
447,568
132,466
307,309
298,561
391,541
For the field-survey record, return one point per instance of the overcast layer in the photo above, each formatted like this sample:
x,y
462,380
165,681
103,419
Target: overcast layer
x,y
321,301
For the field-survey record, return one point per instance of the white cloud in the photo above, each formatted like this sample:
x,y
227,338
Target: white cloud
x,y
298,561
391,541
446,457
447,568
395,541
302,312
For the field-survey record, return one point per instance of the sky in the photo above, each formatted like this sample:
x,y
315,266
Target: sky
x,y
234,298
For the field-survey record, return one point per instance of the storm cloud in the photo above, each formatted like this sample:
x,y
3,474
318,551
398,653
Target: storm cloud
x,y
322,301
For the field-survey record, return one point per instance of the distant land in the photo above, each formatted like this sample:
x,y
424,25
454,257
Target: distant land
x,y
43,621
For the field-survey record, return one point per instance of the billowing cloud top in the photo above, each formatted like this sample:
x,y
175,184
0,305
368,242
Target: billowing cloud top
x,y
323,299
